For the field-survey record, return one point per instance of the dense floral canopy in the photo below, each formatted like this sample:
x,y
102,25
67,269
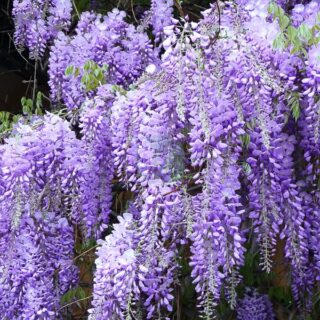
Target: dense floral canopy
x,y
212,128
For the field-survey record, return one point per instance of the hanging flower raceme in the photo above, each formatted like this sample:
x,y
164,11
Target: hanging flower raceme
x,y
159,157
309,121
152,170
255,306
126,116
37,23
215,148
46,167
219,217
274,199
161,16
37,267
97,170
39,162
117,277
303,282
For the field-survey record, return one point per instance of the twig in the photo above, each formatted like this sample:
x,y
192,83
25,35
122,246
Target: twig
x,y
19,51
9,71
134,15
42,194
76,9
34,83
195,187
73,302
178,6
201,7
219,23
83,253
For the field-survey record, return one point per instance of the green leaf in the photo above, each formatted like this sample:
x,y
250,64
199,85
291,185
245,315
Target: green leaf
x,y
69,71
25,109
76,72
86,67
295,49
105,67
284,21
85,79
16,118
119,89
38,111
39,100
271,8
246,168
292,33
23,101
305,32
81,294
73,294
294,103
279,42
97,72
245,139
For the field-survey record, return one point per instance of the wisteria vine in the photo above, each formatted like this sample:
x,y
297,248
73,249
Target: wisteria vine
x,y
211,125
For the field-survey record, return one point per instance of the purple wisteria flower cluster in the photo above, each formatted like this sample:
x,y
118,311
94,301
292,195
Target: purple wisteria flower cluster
x,y
106,40
212,131
37,23
255,306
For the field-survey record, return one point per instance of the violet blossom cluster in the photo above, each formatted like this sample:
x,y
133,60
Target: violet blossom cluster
x,y
36,267
36,232
220,104
97,163
37,23
45,174
161,13
155,170
106,40
203,138
254,306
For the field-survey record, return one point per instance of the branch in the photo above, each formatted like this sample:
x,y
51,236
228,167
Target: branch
x,y
76,301
83,253
178,6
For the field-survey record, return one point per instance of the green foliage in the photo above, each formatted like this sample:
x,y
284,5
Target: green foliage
x,y
119,89
4,121
7,120
92,77
297,39
30,107
82,247
245,140
82,5
72,295
293,99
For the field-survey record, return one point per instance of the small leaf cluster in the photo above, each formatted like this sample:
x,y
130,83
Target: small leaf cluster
x,y
293,99
30,107
77,293
92,75
6,121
